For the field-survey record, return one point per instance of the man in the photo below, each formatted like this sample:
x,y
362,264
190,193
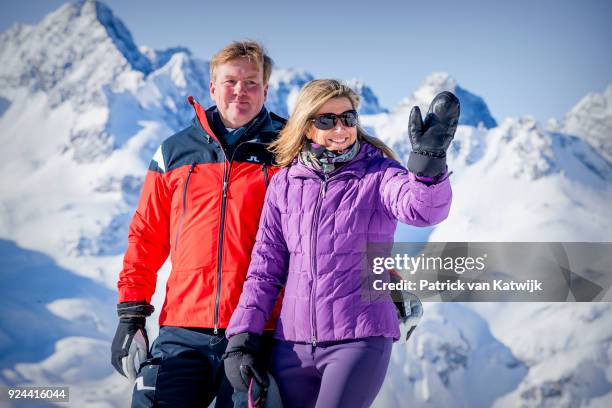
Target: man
x,y
200,204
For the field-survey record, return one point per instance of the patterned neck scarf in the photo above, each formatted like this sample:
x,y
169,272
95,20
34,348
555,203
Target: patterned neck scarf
x,y
319,158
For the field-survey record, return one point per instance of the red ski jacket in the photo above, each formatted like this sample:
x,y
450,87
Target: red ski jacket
x,y
202,208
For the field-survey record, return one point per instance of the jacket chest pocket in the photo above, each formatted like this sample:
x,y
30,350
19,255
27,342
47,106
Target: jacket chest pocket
x,y
183,208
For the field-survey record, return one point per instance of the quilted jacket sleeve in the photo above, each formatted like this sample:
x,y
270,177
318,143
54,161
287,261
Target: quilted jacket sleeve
x,y
267,272
148,237
411,200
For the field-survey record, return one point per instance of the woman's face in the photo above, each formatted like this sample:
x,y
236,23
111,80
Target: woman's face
x,y
340,136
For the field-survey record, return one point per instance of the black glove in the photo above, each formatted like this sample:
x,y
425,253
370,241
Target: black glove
x,y
131,339
396,295
409,308
431,137
241,360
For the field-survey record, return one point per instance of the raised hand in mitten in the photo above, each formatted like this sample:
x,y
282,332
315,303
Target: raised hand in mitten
x,y
430,137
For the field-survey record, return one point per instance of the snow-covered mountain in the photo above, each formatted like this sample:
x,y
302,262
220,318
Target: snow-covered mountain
x,y
82,110
283,89
369,101
473,108
591,119
451,357
393,126
567,348
518,182
559,182
285,85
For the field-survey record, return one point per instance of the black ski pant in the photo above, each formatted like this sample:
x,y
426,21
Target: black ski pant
x,y
185,369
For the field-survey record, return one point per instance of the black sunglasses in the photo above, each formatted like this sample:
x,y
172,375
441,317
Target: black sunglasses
x,y
327,121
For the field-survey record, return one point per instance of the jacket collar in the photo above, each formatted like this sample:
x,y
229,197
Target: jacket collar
x,y
355,168
264,128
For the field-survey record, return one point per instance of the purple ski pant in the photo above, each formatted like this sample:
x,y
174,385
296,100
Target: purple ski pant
x,y
332,374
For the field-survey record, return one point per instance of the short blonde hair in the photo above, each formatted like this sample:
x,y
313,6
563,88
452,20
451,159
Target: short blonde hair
x,y
311,98
254,51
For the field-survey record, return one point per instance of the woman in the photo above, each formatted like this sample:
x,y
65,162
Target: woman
x,y
338,190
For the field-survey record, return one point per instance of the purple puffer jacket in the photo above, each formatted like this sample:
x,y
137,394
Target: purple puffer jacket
x,y
311,241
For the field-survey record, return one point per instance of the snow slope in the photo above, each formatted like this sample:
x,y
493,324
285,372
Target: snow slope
x,y
56,329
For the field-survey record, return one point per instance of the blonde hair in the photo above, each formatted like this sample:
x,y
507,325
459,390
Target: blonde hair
x,y
311,98
252,50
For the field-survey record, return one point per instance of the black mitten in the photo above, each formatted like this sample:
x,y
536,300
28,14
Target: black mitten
x,y
431,137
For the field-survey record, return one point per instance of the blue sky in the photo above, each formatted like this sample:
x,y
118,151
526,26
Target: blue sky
x,y
535,57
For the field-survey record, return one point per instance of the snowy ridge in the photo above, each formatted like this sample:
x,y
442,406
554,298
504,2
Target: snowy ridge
x,y
369,101
284,86
452,355
392,127
82,113
591,119
571,368
70,54
473,108
526,173
159,58
120,35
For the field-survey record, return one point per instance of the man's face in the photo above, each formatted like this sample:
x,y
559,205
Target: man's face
x,y
238,90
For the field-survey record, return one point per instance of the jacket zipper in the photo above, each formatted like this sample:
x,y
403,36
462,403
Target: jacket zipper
x,y
313,258
226,174
265,172
184,213
226,179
